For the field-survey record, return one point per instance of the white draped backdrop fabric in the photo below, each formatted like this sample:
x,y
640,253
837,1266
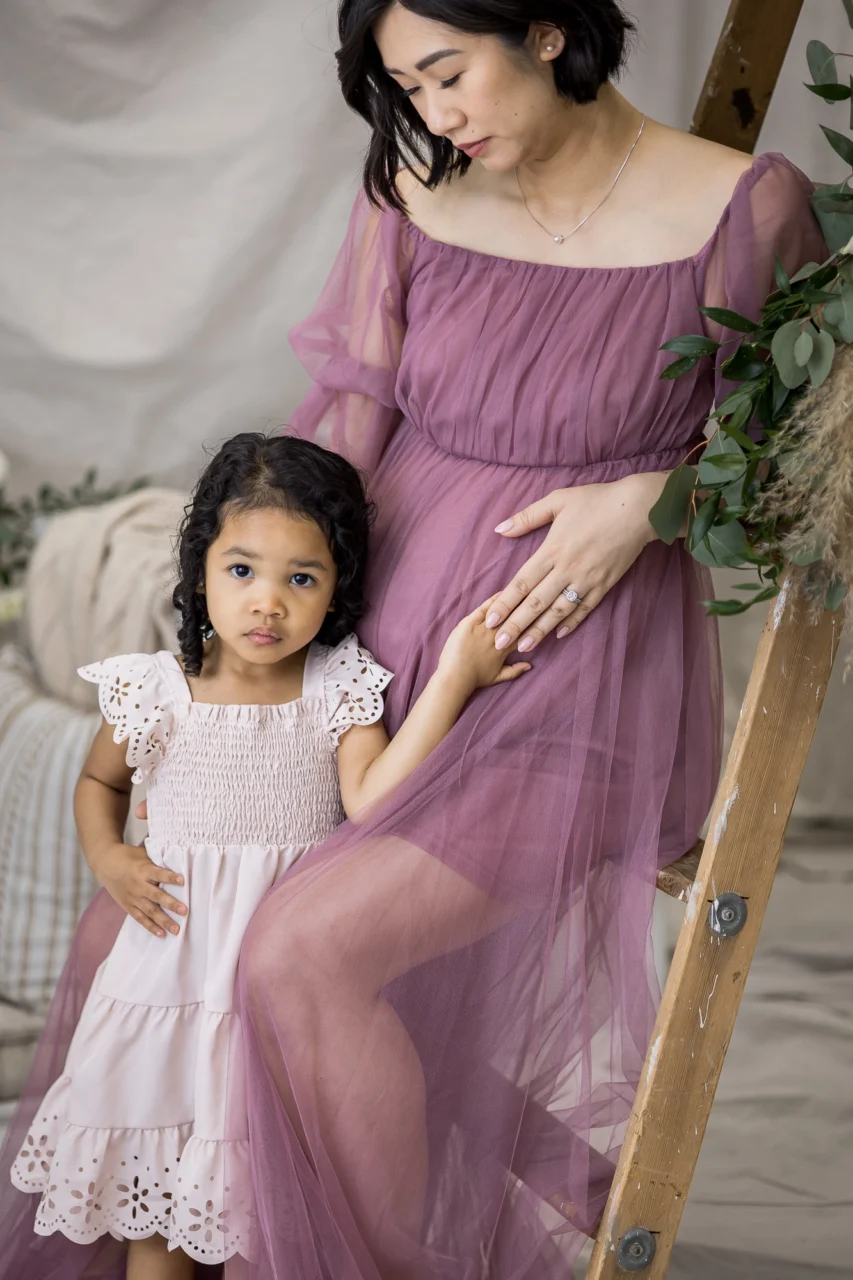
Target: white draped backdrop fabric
x,y
176,180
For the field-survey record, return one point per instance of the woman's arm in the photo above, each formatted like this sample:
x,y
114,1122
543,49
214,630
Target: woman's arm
x,y
101,802
597,532
369,766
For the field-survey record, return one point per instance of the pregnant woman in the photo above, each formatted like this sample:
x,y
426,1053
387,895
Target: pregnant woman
x,y
446,1008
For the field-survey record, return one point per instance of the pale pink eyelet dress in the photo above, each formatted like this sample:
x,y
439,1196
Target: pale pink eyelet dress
x,y
133,1138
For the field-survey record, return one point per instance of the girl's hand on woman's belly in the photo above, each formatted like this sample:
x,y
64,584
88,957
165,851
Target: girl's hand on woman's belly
x,y
597,532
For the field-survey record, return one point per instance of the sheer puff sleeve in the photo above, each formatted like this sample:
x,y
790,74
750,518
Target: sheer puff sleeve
x,y
353,682
351,342
768,217
134,696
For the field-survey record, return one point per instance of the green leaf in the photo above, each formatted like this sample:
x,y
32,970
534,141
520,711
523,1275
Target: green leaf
x,y
840,143
841,202
837,226
744,365
679,367
782,349
741,417
725,608
691,344
668,513
821,62
734,433
725,545
834,597
848,6
724,462
808,270
830,92
838,314
721,458
803,348
703,520
781,275
729,319
821,360
780,394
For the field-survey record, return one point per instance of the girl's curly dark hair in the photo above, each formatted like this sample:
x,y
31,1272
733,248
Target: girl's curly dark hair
x,y
254,472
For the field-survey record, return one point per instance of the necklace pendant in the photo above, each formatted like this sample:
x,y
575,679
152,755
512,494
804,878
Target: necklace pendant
x,y
559,239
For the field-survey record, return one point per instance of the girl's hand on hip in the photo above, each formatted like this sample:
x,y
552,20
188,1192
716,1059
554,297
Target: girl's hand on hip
x,y
597,532
133,880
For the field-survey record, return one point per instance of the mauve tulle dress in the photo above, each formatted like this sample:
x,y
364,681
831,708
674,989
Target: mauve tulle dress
x,y
446,1010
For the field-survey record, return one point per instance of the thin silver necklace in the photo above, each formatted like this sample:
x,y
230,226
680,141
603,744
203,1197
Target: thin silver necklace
x,y
559,239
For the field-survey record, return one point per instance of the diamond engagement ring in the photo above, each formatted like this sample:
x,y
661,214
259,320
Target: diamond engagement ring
x,y
571,595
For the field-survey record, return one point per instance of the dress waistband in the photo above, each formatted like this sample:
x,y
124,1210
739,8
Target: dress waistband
x,y
587,473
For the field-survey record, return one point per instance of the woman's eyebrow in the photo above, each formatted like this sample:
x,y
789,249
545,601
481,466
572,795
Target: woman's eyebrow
x,y
427,62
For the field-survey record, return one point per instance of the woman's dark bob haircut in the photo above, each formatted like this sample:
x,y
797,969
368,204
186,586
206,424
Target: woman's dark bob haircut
x,y
596,31
255,472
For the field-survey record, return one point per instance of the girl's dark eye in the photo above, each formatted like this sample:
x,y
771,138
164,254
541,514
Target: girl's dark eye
x,y
302,580
240,571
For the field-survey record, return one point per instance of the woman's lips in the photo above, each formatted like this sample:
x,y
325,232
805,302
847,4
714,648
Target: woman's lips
x,y
475,149
262,638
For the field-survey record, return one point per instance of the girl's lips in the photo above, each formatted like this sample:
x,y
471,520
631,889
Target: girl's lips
x,y
263,637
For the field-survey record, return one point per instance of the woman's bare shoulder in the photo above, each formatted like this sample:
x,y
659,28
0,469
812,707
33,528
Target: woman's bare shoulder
x,y
694,164
434,210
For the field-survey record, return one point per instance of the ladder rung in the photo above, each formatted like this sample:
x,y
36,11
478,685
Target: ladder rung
x,y
677,879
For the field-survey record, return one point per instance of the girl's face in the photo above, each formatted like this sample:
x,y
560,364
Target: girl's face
x,y
497,104
269,582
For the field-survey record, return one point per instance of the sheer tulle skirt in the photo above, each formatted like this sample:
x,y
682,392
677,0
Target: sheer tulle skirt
x,y
446,1010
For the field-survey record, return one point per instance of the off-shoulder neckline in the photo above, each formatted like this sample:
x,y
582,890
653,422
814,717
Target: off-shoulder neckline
x,y
747,178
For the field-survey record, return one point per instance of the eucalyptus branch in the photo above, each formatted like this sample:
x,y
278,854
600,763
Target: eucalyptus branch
x,y
749,501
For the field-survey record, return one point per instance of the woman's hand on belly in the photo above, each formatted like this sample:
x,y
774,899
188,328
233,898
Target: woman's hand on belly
x,y
597,532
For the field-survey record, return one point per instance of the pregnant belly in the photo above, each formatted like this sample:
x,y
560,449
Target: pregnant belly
x,y
434,554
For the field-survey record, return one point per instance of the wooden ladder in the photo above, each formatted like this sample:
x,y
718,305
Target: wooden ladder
x,y
726,883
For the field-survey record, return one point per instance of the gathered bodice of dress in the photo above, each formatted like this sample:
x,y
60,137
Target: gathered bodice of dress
x,y
226,775
567,376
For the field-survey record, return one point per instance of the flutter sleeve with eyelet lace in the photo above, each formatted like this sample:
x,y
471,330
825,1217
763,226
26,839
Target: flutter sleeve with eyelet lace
x,y
134,696
353,682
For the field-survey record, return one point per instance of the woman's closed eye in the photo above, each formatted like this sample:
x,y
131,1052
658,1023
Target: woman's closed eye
x,y
445,84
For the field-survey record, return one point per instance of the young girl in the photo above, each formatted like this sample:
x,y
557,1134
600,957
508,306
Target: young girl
x,y
253,745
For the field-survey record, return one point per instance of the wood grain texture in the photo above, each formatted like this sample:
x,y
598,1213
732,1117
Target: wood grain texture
x,y
744,70
677,879
706,980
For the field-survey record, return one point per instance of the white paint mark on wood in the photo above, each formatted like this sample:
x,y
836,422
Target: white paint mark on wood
x,y
654,1054
703,1020
781,601
723,820
693,900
